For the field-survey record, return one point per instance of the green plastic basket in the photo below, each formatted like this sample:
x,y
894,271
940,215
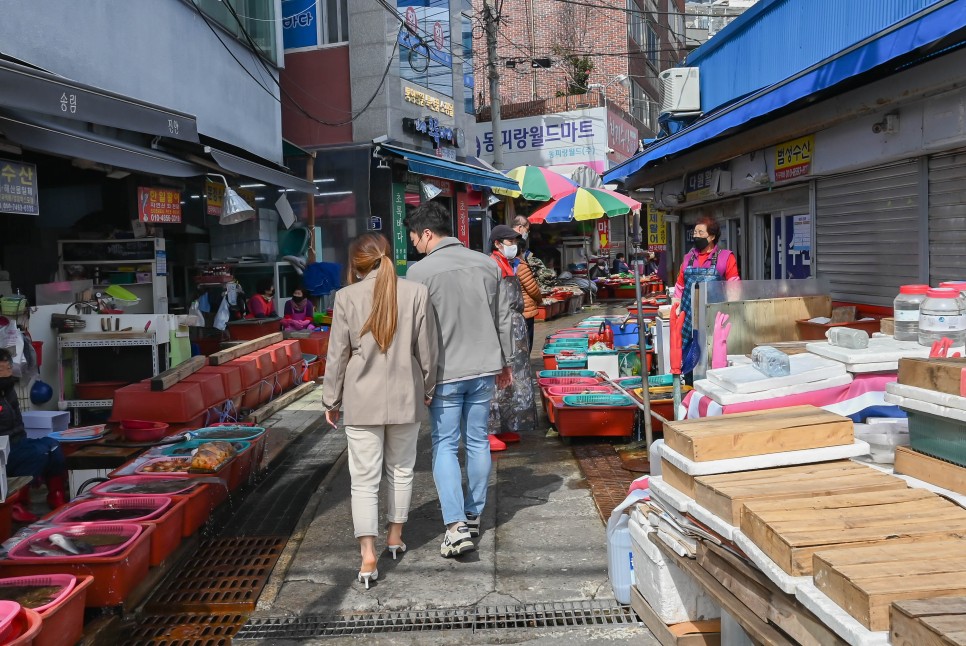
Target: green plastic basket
x,y
597,399
573,343
575,363
939,437
553,348
553,374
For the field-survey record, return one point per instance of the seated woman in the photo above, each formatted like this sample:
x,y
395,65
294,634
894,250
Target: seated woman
x,y
262,304
298,311
38,458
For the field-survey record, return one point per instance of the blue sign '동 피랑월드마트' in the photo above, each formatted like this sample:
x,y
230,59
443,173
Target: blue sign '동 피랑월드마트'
x,y
18,188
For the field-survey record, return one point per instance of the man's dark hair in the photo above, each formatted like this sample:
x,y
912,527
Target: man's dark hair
x,y
620,256
432,216
5,357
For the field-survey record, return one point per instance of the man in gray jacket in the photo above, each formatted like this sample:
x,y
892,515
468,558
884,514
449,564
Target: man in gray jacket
x,y
475,340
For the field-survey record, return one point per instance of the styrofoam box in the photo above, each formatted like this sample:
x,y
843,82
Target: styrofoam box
x,y
40,423
671,592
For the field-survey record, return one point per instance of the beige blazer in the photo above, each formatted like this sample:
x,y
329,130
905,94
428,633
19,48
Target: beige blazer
x,y
376,388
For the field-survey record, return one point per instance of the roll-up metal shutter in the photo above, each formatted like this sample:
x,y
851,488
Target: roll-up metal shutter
x,y
947,218
867,233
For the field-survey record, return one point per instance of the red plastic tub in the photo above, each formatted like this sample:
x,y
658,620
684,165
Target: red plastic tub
x,y
293,350
317,344
63,622
547,382
279,356
135,430
212,388
24,628
248,368
555,394
129,532
64,582
115,576
265,360
98,389
201,498
230,376
596,421
251,329
258,394
179,403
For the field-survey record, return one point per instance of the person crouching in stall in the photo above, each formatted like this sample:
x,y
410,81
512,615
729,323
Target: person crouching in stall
x,y
514,405
703,264
298,311
262,304
39,458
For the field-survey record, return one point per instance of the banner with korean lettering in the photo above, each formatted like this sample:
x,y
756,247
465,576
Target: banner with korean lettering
x,y
603,232
18,188
159,205
400,238
794,158
463,218
656,229
215,194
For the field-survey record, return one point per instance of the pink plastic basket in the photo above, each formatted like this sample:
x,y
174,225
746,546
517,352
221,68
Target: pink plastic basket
x,y
65,582
560,391
128,531
567,381
8,612
117,486
74,513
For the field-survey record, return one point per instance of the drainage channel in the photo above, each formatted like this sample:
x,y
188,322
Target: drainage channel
x,y
562,614
210,594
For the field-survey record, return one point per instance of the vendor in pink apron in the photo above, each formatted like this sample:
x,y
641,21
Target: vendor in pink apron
x,y
703,264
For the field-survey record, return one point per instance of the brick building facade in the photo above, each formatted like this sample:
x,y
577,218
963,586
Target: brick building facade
x,y
638,38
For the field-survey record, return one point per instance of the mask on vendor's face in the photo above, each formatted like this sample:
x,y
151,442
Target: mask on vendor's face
x,y
701,243
7,383
298,299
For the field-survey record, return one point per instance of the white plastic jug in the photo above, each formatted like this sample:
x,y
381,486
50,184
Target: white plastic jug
x,y
620,559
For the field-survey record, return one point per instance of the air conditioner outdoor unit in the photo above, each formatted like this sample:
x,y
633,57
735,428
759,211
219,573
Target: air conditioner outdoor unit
x,y
681,90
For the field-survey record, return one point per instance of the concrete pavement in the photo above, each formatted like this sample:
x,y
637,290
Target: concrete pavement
x,y
542,542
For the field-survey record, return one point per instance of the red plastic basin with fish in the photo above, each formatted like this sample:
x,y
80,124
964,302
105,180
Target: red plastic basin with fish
x,y
63,622
125,533
201,498
64,582
115,576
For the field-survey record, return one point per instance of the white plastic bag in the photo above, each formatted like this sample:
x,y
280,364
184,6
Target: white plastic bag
x,y
620,559
221,318
195,318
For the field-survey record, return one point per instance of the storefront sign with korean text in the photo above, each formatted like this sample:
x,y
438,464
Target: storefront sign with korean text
x,y
159,205
656,229
431,128
603,232
622,137
215,193
400,238
424,100
702,184
463,218
794,158
18,188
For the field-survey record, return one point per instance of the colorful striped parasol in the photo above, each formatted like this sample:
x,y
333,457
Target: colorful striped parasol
x,y
585,204
537,184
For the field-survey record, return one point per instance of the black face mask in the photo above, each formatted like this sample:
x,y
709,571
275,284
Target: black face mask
x,y
6,383
298,299
701,243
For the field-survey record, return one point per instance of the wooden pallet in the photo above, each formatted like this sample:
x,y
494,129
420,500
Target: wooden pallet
x,y
791,531
928,622
689,633
864,581
929,469
725,495
757,433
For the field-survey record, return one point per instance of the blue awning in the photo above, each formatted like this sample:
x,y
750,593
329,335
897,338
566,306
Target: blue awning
x,y
892,45
425,164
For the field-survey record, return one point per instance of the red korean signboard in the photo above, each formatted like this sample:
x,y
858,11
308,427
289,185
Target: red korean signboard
x,y
603,232
159,205
463,218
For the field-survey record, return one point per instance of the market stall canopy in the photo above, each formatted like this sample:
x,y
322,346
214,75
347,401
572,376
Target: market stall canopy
x,y
537,184
261,172
585,204
426,164
23,87
936,27
57,139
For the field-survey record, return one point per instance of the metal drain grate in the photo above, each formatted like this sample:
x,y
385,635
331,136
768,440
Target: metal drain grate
x,y
184,630
537,615
225,575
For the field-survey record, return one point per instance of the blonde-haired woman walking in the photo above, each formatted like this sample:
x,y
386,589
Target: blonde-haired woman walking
x,y
382,370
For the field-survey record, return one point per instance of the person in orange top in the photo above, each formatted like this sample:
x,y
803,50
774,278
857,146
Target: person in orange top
x,y
705,263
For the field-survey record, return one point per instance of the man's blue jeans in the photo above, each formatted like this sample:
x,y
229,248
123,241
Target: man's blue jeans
x,y
461,409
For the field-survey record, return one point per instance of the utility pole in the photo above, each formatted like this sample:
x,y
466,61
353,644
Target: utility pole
x,y
492,24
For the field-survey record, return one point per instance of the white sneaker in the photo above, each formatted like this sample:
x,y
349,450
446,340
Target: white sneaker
x,y
473,525
456,542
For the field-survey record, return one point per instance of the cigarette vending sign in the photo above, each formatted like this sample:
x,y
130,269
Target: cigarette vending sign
x,y
159,205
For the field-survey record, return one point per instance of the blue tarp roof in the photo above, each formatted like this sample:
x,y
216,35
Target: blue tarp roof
x,y
925,28
426,164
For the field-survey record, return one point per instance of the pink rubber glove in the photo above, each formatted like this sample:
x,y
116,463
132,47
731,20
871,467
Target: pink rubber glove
x,y
719,342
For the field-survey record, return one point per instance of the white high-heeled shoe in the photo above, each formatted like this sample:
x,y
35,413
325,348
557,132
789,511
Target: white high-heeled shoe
x,y
366,577
401,548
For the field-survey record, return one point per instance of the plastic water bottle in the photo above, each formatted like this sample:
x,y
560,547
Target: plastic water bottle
x,y
770,361
941,315
845,337
906,311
